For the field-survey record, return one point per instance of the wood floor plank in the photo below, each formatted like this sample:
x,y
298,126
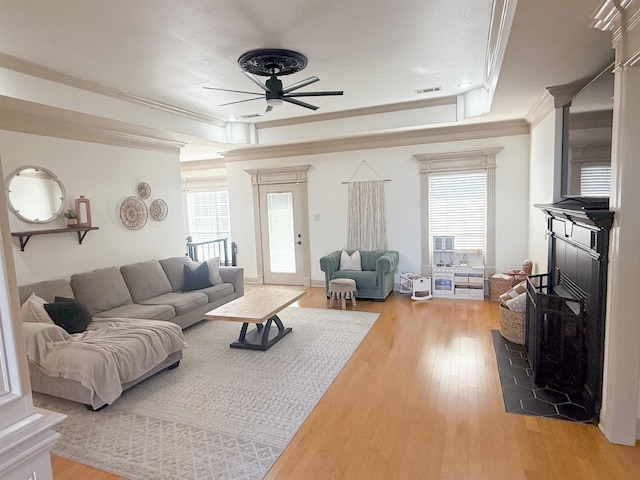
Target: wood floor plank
x,y
421,398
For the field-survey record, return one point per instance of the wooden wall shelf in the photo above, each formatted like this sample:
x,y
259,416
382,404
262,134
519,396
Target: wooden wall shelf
x,y
25,236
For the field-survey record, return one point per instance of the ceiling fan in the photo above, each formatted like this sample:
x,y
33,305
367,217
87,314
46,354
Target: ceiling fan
x,y
274,62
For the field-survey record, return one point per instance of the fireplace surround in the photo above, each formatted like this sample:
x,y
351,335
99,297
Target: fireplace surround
x,y
566,306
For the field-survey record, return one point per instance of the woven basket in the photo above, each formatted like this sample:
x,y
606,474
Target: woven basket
x,y
497,286
512,325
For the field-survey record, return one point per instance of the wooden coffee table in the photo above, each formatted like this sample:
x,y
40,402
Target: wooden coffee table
x,y
259,307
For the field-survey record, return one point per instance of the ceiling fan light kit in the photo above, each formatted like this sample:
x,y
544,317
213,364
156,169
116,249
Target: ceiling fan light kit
x,y
274,62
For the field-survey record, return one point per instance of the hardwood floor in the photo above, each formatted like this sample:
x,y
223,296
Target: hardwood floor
x,y
420,399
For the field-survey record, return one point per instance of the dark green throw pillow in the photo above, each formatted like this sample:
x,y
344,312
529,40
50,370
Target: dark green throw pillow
x,y
196,279
69,314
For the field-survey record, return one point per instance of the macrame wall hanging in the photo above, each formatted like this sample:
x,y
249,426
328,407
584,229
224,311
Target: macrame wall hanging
x,y
366,212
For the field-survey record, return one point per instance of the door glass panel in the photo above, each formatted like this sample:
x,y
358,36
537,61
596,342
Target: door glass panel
x,y
282,253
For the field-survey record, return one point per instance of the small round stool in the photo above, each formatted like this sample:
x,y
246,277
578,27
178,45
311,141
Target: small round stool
x,y
342,289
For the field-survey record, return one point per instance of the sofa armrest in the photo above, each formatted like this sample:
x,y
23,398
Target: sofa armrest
x,y
235,276
330,262
388,262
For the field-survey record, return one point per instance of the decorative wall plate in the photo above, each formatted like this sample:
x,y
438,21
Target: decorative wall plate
x,y
133,213
144,190
158,210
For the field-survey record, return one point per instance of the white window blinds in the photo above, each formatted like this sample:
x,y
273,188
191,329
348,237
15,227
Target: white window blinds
x,y
208,215
595,180
457,205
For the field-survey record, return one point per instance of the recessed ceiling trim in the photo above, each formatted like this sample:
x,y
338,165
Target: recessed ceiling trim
x,y
29,68
28,117
359,112
502,15
399,138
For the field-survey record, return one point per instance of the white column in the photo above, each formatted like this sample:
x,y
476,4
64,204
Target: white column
x,y
26,433
622,342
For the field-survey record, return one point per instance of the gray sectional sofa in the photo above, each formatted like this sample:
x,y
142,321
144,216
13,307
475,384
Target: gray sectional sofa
x,y
150,290
133,297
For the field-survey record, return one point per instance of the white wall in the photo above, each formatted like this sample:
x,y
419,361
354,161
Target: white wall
x,y
106,175
328,197
541,188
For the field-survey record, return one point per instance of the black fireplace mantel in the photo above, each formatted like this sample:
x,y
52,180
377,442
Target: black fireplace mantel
x,y
596,214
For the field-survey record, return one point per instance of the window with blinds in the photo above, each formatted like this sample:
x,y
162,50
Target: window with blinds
x,y
595,180
208,215
457,205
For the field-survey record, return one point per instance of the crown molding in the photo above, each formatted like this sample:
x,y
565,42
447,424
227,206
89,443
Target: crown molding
x,y
34,70
397,138
358,112
28,117
541,108
607,16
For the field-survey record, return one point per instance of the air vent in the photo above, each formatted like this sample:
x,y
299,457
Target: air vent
x,y
251,115
428,90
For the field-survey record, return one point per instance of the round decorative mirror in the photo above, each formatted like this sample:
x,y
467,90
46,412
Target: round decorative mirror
x,y
35,194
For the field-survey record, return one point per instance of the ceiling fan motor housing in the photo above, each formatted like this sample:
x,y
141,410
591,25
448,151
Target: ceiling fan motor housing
x,y
275,87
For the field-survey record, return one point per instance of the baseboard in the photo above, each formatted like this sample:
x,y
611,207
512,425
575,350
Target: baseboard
x,y
602,423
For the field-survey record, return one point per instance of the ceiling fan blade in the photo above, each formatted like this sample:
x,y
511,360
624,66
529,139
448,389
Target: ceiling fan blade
x,y
242,101
234,91
315,94
300,84
269,108
256,81
298,102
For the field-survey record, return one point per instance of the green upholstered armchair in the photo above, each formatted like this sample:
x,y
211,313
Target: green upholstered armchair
x,y
376,279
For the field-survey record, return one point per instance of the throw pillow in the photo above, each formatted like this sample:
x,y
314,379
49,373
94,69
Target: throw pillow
x,y
513,293
518,304
196,279
350,262
69,314
33,310
213,264
214,271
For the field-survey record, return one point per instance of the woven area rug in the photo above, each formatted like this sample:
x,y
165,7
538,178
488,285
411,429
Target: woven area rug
x,y
223,413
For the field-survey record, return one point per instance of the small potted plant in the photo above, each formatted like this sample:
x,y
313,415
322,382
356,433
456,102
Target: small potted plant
x,y
72,217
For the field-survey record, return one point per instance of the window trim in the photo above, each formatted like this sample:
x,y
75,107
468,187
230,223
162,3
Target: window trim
x,y
461,161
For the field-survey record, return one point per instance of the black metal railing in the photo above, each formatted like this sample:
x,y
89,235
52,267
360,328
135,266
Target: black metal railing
x,y
207,249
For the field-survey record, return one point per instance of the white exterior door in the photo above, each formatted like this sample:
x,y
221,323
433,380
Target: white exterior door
x,y
285,248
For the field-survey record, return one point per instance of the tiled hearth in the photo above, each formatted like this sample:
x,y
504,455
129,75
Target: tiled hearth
x,y
521,395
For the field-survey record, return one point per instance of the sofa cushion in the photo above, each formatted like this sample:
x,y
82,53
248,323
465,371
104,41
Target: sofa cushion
x,y
69,314
100,290
46,290
217,292
145,280
33,310
135,310
195,278
181,302
370,258
172,267
364,279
